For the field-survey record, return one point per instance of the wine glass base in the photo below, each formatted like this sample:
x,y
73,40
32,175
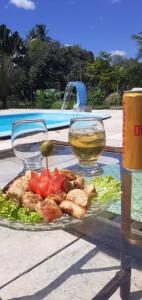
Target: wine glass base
x,y
88,170
31,166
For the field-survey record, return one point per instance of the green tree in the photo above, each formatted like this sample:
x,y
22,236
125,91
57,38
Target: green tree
x,y
41,63
6,78
73,62
10,43
12,50
45,71
100,73
138,39
39,32
128,74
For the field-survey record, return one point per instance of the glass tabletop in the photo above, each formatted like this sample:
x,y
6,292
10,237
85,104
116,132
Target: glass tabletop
x,y
62,158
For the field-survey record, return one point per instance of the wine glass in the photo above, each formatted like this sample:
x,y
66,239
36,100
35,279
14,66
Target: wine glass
x,y
27,136
87,140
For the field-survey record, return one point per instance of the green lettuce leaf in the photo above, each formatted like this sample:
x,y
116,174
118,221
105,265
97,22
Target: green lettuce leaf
x,y
9,209
108,188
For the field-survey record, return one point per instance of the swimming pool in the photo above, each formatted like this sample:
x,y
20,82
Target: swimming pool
x,y
52,119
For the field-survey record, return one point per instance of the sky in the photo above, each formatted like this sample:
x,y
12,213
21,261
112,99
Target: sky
x,y
93,24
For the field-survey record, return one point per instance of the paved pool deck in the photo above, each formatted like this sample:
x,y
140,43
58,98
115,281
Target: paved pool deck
x,y
64,265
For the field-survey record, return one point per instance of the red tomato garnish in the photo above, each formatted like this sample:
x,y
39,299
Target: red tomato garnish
x,y
50,189
35,176
58,183
45,173
56,173
33,184
43,189
47,183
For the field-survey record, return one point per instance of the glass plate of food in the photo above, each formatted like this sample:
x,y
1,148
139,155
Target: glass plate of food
x,y
55,200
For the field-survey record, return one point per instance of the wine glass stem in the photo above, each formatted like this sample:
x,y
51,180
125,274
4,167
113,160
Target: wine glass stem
x,y
32,165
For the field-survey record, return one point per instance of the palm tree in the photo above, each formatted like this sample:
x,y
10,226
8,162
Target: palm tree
x,y
40,32
10,43
138,39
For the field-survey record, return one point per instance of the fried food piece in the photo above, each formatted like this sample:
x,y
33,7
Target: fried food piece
x,y
67,185
78,183
68,174
72,209
57,197
17,189
49,210
90,190
28,174
25,179
38,208
29,200
79,197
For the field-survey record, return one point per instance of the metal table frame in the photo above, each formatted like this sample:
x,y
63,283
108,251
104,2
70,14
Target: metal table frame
x,y
122,279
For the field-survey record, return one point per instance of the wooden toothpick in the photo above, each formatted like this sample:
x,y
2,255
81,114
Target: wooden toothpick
x,y
47,162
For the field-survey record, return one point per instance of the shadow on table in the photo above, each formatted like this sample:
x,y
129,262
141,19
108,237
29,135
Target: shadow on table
x,y
75,269
137,295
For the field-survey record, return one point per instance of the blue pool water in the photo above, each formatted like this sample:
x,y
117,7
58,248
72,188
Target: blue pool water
x,y
52,119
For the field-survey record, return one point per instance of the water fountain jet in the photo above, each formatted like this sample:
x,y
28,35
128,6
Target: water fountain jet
x,y
81,95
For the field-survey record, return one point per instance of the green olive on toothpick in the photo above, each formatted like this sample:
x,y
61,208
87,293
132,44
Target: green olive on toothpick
x,y
46,149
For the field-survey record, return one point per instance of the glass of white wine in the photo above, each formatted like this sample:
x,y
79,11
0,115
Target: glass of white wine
x,y
87,140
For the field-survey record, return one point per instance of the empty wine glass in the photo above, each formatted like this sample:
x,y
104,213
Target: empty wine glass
x,y
27,136
87,140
